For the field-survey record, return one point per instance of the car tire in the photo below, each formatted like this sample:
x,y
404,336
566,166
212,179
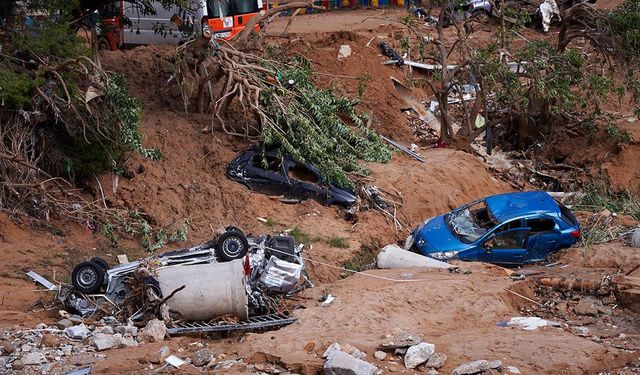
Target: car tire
x,y
231,228
101,262
231,245
87,277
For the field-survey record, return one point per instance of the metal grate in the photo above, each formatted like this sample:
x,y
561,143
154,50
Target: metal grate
x,y
253,323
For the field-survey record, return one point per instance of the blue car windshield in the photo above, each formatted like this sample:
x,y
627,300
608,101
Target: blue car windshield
x,y
470,222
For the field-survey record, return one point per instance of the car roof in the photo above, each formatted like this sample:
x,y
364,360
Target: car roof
x,y
508,206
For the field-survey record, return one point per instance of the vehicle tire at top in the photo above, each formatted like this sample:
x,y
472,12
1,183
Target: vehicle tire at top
x,y
101,262
231,228
231,245
88,277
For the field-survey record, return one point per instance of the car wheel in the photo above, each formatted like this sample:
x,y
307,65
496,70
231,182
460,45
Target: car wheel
x,y
87,277
231,228
231,245
101,262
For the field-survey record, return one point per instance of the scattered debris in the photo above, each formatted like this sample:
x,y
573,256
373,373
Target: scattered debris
x,y
418,354
400,339
41,280
79,332
393,256
175,361
344,51
201,357
341,363
154,331
326,300
530,323
476,367
403,149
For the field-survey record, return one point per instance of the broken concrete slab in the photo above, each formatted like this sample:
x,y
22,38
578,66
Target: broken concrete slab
x,y
437,360
475,367
154,331
201,357
418,354
64,323
79,332
335,347
127,330
341,363
400,339
104,341
393,256
33,358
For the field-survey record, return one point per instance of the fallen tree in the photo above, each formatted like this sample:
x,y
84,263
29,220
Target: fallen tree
x,y
271,98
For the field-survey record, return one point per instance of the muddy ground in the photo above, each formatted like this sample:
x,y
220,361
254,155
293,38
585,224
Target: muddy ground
x,y
457,312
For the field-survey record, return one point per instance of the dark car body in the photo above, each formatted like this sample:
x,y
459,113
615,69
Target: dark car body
x,y
510,229
285,176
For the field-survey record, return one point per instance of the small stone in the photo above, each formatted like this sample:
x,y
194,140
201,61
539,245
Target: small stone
x,y
380,355
341,363
34,358
76,319
513,369
353,351
127,330
400,339
580,331
7,347
635,238
26,348
344,51
309,346
418,354
437,360
41,326
104,341
79,332
109,320
400,351
64,323
154,331
50,340
127,342
585,307
108,330
432,372
335,347
163,353
201,357
475,367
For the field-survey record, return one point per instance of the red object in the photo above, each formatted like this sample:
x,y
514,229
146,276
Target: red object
x,y
440,144
576,234
247,266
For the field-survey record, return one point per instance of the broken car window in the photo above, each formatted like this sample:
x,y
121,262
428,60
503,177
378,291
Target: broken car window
x,y
511,239
471,222
541,225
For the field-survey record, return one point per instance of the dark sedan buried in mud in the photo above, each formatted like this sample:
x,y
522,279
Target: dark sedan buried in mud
x,y
509,229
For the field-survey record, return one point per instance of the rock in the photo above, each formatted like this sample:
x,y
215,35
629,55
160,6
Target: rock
x,y
353,351
580,331
437,360
104,329
400,339
201,357
585,307
432,372
400,351
380,355
127,330
109,320
635,238
341,363
7,347
17,365
104,341
41,326
127,342
33,358
154,331
163,353
50,340
513,369
309,346
344,51
335,347
79,332
475,367
418,354
26,348
64,323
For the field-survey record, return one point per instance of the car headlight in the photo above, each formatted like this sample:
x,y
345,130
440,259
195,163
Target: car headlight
x,y
444,255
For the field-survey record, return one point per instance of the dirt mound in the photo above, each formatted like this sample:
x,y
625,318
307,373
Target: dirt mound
x,y
623,172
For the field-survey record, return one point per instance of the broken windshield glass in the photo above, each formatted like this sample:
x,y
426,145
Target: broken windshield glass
x,y
471,222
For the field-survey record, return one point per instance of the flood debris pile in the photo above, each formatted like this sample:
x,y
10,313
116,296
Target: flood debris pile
x,y
230,283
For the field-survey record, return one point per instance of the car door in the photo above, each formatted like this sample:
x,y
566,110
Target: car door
x,y
544,238
506,245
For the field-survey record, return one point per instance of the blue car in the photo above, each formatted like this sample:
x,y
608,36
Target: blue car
x,y
508,229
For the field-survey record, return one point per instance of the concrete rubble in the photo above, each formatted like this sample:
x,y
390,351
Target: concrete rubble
x,y
418,354
476,367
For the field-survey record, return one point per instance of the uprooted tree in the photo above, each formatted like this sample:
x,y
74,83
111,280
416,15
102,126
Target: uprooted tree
x,y
256,91
519,92
63,119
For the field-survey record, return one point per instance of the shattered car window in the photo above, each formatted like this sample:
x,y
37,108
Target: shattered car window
x,y
471,222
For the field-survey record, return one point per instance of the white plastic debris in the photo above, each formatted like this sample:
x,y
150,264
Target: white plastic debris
x,y
529,323
344,51
175,361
